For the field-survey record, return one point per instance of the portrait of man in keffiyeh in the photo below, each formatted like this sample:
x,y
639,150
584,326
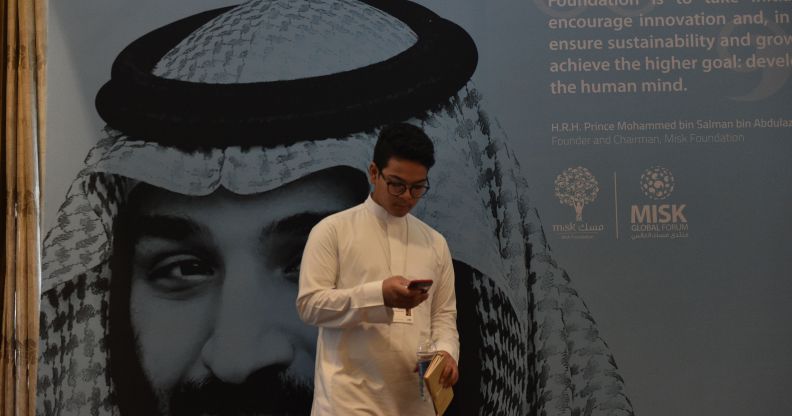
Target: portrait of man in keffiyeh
x,y
169,276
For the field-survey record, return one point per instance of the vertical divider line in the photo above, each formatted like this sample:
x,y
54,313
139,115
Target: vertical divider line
x,y
616,204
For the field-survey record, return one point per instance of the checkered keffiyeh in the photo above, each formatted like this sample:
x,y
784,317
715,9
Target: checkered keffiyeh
x,y
541,353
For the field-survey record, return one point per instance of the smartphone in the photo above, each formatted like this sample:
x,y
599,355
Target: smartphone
x,y
420,284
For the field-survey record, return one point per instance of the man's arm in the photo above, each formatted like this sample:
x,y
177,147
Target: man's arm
x,y
319,302
444,330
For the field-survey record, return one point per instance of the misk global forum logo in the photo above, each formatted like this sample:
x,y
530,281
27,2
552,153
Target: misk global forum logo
x,y
662,218
577,187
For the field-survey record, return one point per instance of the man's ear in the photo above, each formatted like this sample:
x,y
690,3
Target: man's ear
x,y
373,171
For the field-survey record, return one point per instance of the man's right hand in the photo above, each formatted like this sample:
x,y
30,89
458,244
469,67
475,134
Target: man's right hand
x,y
397,295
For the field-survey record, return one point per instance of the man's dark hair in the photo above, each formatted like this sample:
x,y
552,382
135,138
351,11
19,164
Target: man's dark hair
x,y
403,141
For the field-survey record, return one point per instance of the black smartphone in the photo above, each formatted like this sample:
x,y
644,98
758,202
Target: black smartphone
x,y
420,284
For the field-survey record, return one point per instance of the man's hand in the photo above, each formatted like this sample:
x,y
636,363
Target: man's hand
x,y
397,295
450,373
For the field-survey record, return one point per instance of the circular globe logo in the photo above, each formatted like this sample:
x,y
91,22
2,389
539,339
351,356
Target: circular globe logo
x,y
657,183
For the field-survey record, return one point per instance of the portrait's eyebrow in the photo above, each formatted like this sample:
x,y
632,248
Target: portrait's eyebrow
x,y
300,223
167,227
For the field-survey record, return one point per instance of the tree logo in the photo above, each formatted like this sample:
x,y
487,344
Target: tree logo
x,y
657,183
576,187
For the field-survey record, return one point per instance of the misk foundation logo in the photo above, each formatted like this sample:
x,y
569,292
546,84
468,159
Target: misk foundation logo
x,y
576,187
663,218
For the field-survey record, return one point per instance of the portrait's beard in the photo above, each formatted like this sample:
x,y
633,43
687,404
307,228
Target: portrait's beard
x,y
269,391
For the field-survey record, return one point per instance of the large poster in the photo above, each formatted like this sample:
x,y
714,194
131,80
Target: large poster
x,y
612,179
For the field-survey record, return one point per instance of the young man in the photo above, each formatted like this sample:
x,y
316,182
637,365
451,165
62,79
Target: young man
x,y
354,285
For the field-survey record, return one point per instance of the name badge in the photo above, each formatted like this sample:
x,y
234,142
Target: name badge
x,y
402,316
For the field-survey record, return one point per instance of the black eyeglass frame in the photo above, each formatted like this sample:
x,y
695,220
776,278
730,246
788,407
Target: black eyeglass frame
x,y
401,188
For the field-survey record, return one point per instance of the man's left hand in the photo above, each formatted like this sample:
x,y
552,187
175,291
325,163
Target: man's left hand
x,y
450,373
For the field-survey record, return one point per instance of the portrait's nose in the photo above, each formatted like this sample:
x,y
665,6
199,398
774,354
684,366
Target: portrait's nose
x,y
248,330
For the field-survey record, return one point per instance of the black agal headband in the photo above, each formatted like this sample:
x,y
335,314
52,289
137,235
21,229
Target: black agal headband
x,y
190,114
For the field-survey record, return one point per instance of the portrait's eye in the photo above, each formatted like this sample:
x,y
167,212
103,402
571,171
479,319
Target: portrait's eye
x,y
289,255
292,269
282,244
180,273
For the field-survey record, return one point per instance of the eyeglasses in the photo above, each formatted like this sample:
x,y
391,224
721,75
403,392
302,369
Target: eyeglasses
x,y
396,188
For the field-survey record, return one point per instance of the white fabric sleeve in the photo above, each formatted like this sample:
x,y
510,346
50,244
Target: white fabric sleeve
x,y
444,313
319,302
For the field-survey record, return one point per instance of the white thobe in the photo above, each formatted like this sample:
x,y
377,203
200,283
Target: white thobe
x,y
364,360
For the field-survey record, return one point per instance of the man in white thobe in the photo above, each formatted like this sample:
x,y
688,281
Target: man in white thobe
x,y
354,279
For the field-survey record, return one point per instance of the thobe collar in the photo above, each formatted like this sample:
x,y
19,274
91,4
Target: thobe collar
x,y
380,213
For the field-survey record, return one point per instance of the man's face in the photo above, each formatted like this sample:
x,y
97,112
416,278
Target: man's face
x,y
397,172
213,285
